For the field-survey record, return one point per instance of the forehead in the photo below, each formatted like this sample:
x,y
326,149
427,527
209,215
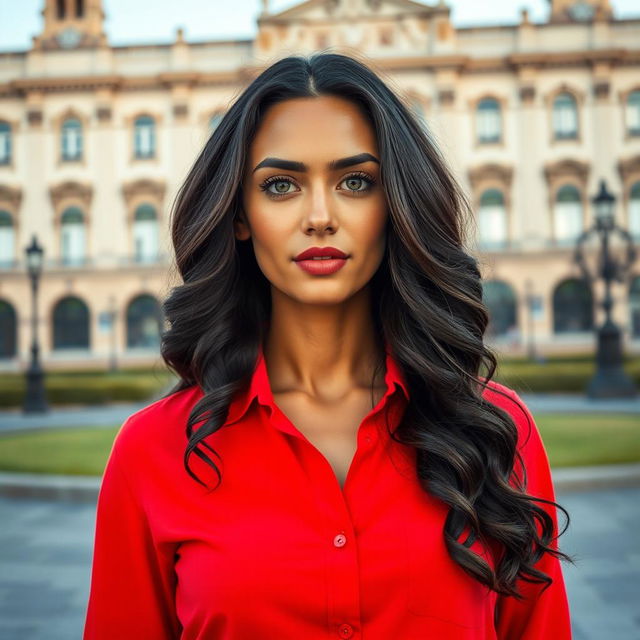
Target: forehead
x,y
322,125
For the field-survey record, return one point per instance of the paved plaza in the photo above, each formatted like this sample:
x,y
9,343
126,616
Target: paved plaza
x,y
46,547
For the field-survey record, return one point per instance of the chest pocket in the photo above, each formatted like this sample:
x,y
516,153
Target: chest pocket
x,y
437,586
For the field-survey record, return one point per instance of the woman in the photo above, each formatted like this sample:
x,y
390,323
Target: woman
x,y
354,475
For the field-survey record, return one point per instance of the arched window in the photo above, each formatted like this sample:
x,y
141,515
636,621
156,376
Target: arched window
x,y
8,330
144,322
214,121
572,307
492,220
634,307
634,210
567,217
73,236
144,133
633,113
145,234
79,8
500,300
5,143
71,143
7,240
488,124
61,9
70,324
565,117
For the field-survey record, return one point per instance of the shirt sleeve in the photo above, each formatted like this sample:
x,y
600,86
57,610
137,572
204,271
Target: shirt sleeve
x,y
542,613
132,582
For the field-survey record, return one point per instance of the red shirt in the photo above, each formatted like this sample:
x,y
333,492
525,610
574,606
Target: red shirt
x,y
278,550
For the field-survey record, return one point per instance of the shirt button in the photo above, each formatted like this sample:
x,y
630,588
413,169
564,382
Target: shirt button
x,y
339,541
345,631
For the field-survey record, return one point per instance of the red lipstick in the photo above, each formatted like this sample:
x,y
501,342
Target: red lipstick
x,y
321,260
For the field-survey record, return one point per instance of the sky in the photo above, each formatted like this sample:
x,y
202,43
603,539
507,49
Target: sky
x,y
155,21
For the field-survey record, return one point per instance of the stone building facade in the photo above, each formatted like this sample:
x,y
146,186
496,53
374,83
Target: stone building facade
x,y
96,139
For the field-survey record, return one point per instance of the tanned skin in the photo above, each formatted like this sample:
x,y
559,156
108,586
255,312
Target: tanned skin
x,y
321,347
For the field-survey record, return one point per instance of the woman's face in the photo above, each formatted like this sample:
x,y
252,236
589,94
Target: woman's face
x,y
288,209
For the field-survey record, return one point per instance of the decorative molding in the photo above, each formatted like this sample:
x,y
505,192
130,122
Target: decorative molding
x,y
135,191
491,172
181,111
568,168
527,94
103,113
565,87
11,196
34,117
446,97
628,168
68,193
601,88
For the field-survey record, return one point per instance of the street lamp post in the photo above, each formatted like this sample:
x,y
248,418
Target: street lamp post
x,y
35,400
610,380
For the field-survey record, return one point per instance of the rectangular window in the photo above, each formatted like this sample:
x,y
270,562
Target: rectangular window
x,y
144,141
5,147
565,122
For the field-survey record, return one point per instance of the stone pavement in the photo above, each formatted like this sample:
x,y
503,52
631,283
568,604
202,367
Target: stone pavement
x,y
46,548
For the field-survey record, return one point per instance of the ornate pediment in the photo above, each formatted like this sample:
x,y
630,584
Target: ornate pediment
x,y
341,9
10,196
68,191
152,189
371,27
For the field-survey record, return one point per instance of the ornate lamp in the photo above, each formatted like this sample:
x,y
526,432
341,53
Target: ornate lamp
x,y
610,380
35,400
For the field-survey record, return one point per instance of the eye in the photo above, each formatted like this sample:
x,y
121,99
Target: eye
x,y
359,178
276,180
354,181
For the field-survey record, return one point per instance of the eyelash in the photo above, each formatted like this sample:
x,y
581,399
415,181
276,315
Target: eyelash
x,y
276,196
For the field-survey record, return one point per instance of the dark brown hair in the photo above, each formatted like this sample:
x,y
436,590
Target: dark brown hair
x,y
428,307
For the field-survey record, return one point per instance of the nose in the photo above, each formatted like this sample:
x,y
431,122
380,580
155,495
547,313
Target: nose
x,y
320,217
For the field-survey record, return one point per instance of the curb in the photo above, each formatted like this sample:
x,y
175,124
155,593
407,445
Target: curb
x,y
50,486
86,488
598,477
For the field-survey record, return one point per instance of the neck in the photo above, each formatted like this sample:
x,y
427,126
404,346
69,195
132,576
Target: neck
x,y
323,350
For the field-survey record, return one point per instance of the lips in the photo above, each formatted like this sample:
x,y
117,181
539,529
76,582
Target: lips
x,y
319,253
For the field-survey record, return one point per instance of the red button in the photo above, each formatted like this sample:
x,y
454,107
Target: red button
x,y
339,541
345,631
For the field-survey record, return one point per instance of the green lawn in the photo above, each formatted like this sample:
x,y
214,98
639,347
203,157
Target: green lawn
x,y
571,440
89,387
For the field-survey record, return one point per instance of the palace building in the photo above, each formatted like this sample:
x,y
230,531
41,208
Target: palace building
x,y
96,139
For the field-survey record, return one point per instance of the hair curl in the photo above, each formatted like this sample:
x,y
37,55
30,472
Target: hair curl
x,y
427,305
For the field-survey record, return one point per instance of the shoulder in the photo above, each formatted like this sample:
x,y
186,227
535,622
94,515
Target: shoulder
x,y
160,423
508,400
530,446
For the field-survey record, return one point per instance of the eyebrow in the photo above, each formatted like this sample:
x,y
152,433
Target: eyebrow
x,y
334,165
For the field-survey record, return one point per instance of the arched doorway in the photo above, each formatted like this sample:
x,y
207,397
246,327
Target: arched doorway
x,y
500,300
71,324
144,322
572,307
8,330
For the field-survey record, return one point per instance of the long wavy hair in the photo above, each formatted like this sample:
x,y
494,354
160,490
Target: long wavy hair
x,y
427,307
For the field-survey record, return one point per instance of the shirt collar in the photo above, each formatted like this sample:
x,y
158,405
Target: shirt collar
x,y
260,388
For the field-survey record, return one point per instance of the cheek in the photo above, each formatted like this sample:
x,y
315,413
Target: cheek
x,y
373,233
